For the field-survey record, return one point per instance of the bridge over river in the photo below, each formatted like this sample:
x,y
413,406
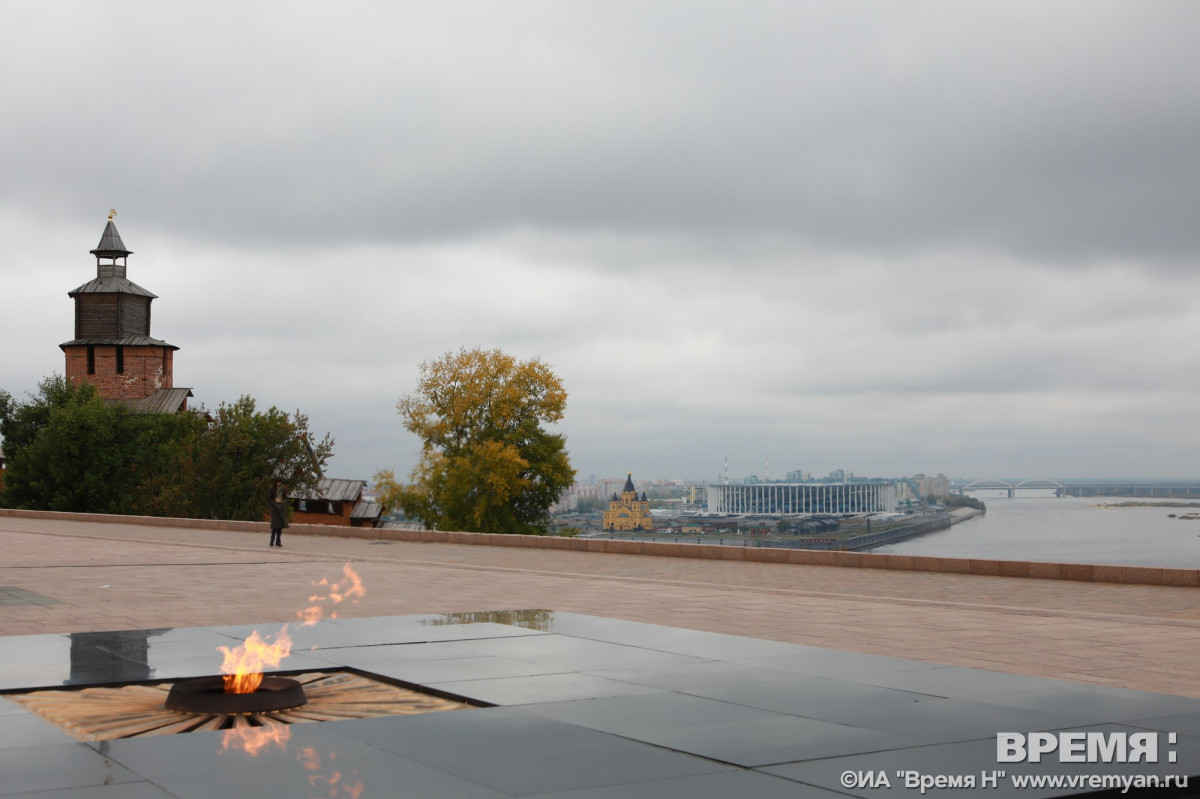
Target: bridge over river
x,y
1180,489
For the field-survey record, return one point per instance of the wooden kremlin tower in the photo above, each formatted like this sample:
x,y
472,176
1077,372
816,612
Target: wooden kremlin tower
x,y
112,348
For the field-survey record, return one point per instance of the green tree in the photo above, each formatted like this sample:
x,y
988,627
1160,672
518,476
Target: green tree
x,y
960,501
70,450
226,467
387,490
487,464
20,422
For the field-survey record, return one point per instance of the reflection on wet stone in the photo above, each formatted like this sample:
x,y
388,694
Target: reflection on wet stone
x,y
674,707
117,656
532,619
15,596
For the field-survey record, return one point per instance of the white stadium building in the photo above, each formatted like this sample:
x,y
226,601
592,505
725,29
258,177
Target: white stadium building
x,y
780,499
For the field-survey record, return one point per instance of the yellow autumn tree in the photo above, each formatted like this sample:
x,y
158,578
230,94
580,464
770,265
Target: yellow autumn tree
x,y
487,464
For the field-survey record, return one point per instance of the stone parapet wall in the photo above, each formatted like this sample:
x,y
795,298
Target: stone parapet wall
x,y
1141,575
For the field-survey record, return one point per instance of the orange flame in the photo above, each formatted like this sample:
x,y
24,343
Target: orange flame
x,y
243,666
350,588
253,740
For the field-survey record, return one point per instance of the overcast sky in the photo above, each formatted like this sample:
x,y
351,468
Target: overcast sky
x,y
889,237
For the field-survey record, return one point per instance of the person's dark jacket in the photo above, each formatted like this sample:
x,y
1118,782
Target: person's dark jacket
x,y
278,513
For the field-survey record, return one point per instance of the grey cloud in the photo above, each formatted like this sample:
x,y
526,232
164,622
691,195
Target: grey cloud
x,y
897,238
1064,130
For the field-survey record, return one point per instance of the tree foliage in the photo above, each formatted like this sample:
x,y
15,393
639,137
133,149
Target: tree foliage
x,y
226,469
487,464
21,421
387,490
960,501
69,450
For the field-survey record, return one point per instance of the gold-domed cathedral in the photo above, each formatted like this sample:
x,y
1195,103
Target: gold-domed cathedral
x,y
627,512
112,348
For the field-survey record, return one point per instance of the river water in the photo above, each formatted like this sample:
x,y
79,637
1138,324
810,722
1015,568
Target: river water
x,y
1036,525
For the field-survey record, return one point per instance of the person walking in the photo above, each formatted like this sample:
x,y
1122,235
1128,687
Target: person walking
x,y
278,514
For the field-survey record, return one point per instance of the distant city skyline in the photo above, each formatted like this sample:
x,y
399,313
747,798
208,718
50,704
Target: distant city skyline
x,y
659,480
894,239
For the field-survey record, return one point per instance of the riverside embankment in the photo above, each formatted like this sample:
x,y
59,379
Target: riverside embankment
x,y
868,540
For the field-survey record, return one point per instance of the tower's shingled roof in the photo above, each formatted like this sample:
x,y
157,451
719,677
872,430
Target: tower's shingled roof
x,y
111,285
110,245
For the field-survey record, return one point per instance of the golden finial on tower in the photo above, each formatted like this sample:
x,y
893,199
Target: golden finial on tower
x,y
111,213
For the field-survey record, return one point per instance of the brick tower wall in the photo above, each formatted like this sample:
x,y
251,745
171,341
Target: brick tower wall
x,y
146,369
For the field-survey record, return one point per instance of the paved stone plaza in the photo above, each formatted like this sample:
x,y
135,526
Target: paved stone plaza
x,y
114,576
649,676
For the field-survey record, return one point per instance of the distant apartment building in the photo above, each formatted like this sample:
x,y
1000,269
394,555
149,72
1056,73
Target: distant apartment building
x,y
568,501
906,490
933,486
614,485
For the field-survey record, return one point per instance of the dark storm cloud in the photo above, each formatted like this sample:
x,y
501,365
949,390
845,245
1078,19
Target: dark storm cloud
x,y
1067,129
